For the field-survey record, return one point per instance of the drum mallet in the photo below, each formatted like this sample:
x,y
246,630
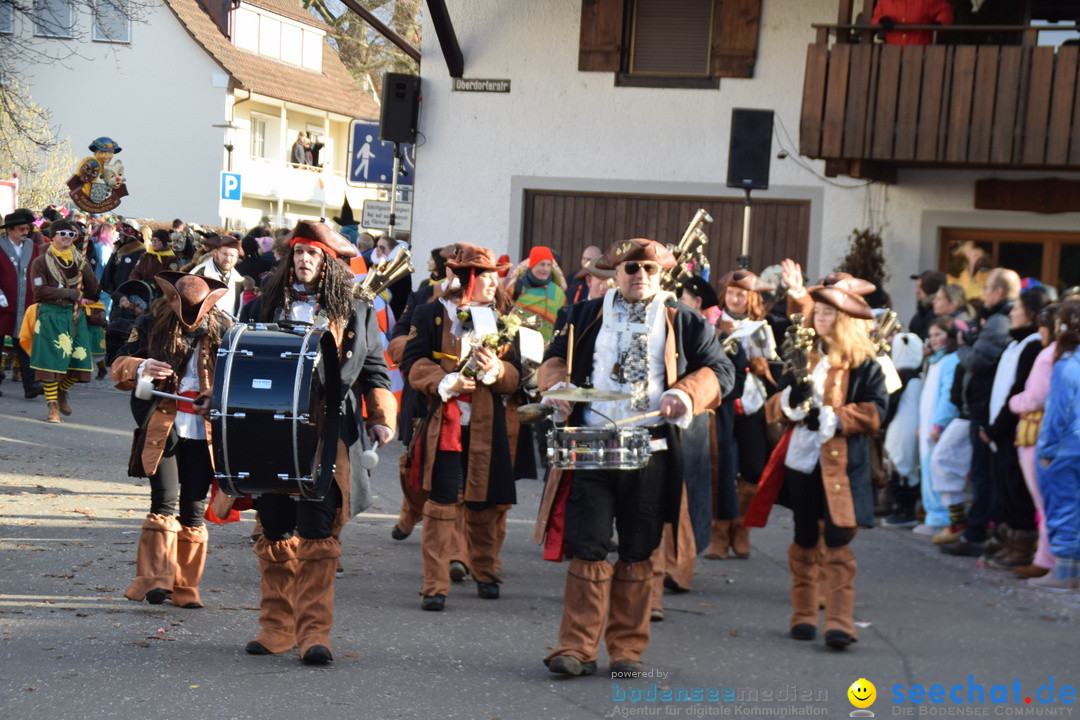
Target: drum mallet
x,y
144,390
369,459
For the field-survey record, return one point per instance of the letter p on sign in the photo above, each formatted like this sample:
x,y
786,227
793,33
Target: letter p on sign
x,y
230,186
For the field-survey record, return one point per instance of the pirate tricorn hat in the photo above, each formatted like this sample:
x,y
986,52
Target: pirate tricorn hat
x,y
190,296
346,217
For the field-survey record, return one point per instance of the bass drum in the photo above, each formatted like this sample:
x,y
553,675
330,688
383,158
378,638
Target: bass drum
x,y
270,386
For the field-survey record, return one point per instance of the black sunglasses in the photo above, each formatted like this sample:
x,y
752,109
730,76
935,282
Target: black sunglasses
x,y
634,266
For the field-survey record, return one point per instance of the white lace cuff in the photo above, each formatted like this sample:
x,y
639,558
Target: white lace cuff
x,y
444,387
684,420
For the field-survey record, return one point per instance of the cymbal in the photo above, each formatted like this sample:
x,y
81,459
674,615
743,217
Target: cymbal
x,y
585,394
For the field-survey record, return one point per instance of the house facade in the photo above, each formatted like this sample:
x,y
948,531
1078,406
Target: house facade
x,y
198,89
609,130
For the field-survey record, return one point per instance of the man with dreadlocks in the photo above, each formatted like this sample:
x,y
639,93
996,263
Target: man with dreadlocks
x,y
61,355
299,548
176,344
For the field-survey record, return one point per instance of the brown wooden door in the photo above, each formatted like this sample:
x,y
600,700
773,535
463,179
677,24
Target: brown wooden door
x,y
1052,257
568,222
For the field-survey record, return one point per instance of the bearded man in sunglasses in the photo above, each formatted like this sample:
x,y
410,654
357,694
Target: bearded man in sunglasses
x,y
639,341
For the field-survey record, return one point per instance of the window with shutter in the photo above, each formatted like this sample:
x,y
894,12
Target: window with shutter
x,y
669,43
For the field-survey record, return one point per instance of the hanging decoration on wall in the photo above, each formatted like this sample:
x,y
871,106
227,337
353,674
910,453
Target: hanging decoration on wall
x,y
98,183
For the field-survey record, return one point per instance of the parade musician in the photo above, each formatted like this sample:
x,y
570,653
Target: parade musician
x,y
638,340
299,549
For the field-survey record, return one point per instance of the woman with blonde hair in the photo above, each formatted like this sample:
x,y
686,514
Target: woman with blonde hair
x,y
833,406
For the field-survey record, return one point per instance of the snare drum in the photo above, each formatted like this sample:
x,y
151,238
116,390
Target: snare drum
x,y
269,387
599,448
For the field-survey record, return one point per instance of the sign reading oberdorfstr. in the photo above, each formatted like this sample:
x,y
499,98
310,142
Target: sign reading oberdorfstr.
x,y
478,85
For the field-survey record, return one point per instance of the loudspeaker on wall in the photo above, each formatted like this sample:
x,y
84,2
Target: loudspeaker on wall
x,y
400,107
751,149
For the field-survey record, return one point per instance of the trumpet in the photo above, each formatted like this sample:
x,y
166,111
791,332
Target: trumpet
x,y
885,325
385,274
688,250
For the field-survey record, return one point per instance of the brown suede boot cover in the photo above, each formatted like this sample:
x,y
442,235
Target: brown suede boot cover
x,y
460,549
720,540
656,585
585,606
190,562
680,549
437,544
412,503
277,572
482,528
313,591
740,534
501,530
805,565
155,557
838,584
627,633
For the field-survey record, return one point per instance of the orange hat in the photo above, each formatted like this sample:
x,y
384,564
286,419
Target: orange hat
x,y
539,253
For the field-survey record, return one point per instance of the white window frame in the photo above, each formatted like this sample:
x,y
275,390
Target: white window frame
x,y
103,6
39,31
257,146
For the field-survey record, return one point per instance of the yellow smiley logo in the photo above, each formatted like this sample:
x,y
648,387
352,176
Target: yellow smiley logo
x,y
862,693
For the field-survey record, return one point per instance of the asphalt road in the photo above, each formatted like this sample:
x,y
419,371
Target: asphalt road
x,y
72,647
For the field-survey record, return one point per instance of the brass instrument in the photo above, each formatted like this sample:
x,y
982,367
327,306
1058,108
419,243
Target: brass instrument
x,y
384,275
885,324
688,250
798,344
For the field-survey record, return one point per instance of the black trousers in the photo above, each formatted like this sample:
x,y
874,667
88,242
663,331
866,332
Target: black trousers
x,y
809,507
283,516
1015,506
753,445
182,481
630,500
25,373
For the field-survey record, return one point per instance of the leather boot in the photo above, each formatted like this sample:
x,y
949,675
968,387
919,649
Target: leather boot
x,y
719,541
482,532
838,583
805,565
155,558
740,534
1020,550
627,633
436,547
313,597
277,573
62,402
190,562
54,412
412,504
585,608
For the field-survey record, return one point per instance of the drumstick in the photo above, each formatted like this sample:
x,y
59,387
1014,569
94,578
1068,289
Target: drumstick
x,y
569,354
635,418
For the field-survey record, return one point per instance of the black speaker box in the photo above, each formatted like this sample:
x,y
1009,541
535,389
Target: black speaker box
x,y
751,149
400,106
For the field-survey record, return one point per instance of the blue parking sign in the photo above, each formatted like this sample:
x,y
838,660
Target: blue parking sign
x,y
230,186
371,160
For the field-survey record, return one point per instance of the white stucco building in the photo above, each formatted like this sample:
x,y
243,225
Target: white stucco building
x,y
165,89
570,156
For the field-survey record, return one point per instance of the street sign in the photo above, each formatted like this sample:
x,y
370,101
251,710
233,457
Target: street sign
x,y
230,186
371,160
377,215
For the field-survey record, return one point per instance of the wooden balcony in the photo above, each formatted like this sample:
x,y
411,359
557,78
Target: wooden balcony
x,y
870,108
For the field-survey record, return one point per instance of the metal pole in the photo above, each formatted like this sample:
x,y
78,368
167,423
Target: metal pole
x,y
393,189
744,256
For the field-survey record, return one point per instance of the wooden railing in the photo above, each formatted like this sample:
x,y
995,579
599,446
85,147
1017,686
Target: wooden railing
x,y
941,105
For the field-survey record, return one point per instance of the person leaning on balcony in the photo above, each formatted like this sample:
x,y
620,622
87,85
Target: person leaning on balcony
x,y
890,13
299,153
